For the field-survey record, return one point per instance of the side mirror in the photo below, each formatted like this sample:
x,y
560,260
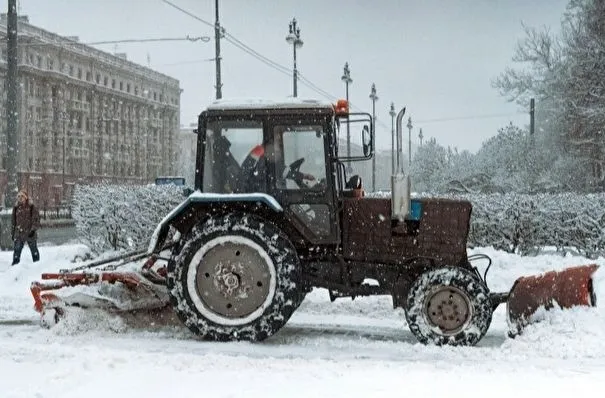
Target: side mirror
x,y
367,141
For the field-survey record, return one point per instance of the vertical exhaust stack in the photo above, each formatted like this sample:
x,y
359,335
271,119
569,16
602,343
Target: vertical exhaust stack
x,y
400,182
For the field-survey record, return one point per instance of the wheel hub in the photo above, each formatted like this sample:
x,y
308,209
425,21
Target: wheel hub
x,y
229,282
448,308
233,279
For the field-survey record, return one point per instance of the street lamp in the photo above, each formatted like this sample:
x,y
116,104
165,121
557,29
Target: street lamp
x,y
392,113
293,38
346,77
374,98
409,126
421,136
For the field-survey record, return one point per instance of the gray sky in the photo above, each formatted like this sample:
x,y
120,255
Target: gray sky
x,y
436,57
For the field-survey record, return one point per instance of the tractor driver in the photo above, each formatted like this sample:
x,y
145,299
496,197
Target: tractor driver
x,y
253,176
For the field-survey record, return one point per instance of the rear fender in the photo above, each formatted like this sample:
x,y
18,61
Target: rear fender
x,y
212,199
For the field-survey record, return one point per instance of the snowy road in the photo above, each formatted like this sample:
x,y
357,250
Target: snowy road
x,y
347,348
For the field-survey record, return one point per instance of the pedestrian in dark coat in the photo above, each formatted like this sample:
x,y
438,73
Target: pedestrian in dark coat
x,y
26,221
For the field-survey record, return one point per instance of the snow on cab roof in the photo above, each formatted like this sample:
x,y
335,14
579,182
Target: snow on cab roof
x,y
264,103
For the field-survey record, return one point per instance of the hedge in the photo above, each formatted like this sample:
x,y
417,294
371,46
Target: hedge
x,y
112,217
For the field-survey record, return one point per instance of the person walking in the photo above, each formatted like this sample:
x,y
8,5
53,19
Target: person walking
x,y
26,221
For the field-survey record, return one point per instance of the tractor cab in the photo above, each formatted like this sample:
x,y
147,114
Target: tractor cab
x,y
287,151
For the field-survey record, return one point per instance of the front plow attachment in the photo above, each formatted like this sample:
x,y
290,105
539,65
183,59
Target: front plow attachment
x,y
110,289
566,289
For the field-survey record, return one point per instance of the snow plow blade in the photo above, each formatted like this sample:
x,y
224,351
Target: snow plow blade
x,y
566,289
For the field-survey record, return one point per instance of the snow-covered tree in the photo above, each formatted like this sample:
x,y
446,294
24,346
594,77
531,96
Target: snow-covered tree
x,y
428,167
566,76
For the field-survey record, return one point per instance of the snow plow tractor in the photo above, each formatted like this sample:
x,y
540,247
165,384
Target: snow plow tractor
x,y
276,213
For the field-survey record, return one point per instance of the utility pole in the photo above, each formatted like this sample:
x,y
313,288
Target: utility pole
x,y
217,56
12,120
392,113
374,98
409,126
421,136
293,38
346,77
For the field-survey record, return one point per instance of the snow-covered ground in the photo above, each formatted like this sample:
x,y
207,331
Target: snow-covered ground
x,y
346,348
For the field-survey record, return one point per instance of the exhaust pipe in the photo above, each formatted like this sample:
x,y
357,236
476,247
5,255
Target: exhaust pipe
x,y
400,182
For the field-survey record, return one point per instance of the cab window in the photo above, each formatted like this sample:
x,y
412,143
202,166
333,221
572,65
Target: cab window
x,y
300,157
233,161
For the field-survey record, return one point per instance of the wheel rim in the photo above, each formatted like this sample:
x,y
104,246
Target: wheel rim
x,y
449,309
231,280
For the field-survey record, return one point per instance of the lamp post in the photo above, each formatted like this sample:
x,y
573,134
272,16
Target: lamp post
x,y
293,38
409,126
12,106
346,77
374,98
392,113
420,136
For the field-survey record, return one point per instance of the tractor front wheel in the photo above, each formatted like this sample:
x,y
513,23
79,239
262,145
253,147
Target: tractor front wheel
x,y
236,278
449,306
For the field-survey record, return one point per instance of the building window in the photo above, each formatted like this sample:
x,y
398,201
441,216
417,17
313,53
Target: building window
x,y
105,80
39,61
121,86
71,70
79,73
98,78
88,76
50,63
136,90
128,88
155,96
113,83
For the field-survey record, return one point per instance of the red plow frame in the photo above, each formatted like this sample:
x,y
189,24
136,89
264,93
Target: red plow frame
x,y
44,299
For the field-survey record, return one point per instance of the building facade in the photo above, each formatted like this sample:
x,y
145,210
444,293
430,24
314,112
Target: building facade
x,y
86,115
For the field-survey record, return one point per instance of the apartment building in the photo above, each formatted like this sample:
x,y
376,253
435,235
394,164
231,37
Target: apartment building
x,y
86,116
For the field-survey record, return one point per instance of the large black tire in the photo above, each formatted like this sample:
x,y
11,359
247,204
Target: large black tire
x,y
250,275
449,306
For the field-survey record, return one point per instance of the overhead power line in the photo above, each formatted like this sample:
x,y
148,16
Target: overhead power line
x,y
189,13
204,39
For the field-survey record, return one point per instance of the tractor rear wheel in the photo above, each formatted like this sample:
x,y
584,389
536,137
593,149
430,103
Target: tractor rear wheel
x,y
236,278
449,306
